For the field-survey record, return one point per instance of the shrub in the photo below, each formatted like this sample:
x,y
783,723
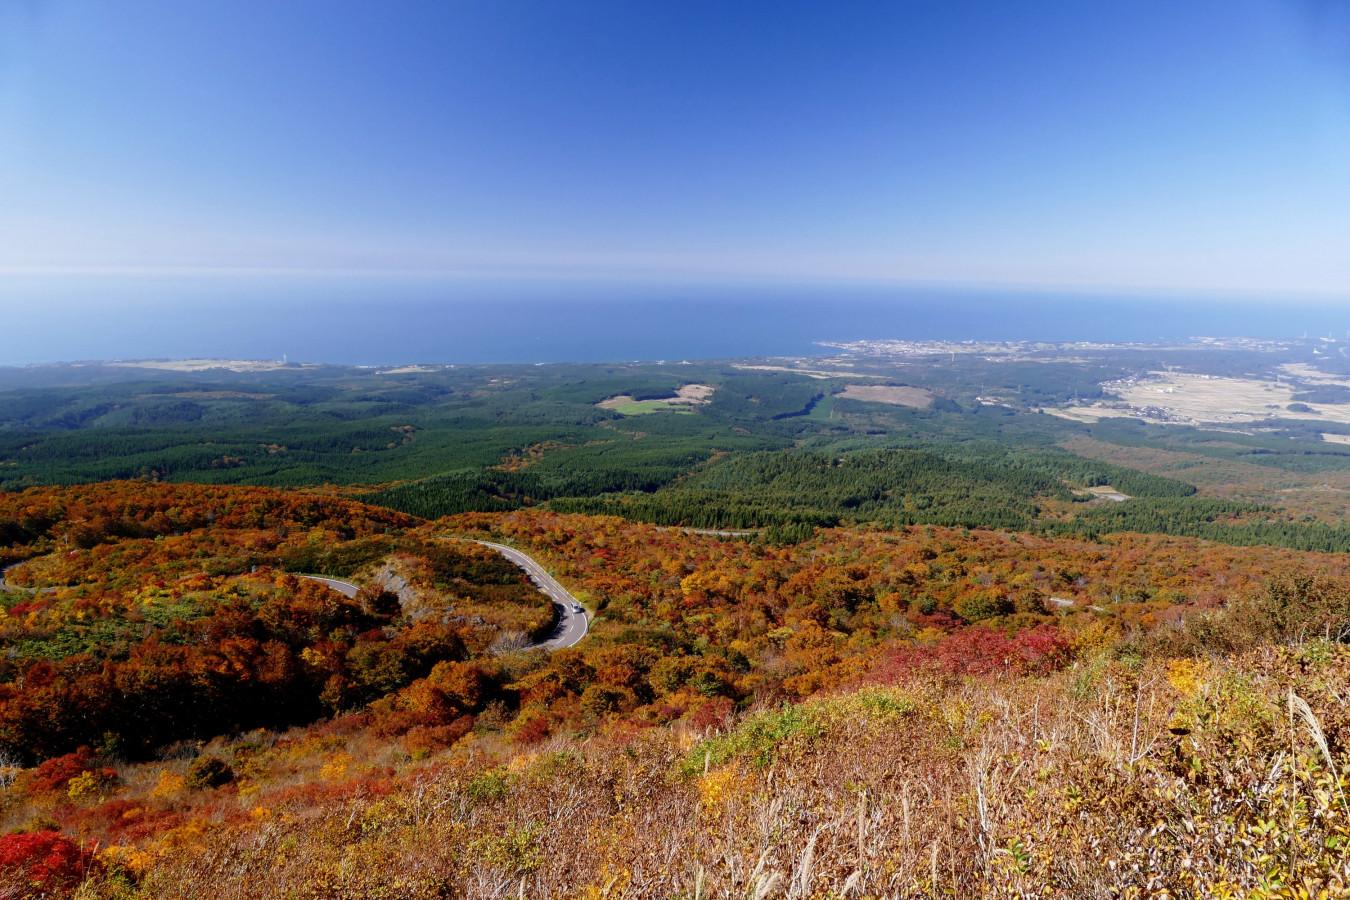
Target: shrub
x,y
55,773
708,683
980,651
90,783
209,772
33,863
713,713
489,786
669,673
516,852
598,700
758,738
983,606
424,740
1290,609
533,730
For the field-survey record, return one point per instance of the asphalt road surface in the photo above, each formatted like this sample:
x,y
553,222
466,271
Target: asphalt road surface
x,y
346,588
572,623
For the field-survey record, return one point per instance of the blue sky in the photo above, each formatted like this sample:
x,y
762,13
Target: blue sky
x,y
1201,147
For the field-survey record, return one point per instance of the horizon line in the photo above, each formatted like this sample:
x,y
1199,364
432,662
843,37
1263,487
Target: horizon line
x,y
648,275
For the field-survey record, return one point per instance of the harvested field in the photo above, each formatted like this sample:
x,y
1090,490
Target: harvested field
x,y
1307,373
893,394
1178,398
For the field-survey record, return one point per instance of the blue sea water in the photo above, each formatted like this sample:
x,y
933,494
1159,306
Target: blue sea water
x,y
367,321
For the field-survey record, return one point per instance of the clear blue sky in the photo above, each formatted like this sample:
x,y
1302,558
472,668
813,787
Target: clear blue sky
x,y
1187,146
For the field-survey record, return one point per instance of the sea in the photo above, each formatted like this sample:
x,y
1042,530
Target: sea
x,y
372,321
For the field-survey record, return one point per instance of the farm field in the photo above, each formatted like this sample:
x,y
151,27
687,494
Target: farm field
x,y
1206,400
685,398
897,395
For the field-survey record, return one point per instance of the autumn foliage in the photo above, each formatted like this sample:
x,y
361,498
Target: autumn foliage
x,y
979,651
42,861
174,694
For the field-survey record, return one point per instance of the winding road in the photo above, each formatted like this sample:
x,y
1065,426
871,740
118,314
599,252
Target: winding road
x,y
345,588
572,624
15,587
571,627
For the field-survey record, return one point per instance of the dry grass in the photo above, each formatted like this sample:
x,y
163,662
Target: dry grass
x,y
1175,778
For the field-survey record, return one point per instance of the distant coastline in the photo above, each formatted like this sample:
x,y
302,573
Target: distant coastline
x,y
384,326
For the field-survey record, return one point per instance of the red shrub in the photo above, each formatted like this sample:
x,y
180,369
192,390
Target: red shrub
x,y
939,619
129,822
427,739
42,860
712,714
533,731
980,651
1041,650
56,772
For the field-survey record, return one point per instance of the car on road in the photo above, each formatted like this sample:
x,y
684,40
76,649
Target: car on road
x,y
577,608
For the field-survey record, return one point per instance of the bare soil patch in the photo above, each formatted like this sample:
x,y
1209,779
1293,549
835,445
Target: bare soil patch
x,y
1106,492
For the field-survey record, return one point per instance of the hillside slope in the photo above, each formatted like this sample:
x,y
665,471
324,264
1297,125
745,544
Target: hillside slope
x,y
866,713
